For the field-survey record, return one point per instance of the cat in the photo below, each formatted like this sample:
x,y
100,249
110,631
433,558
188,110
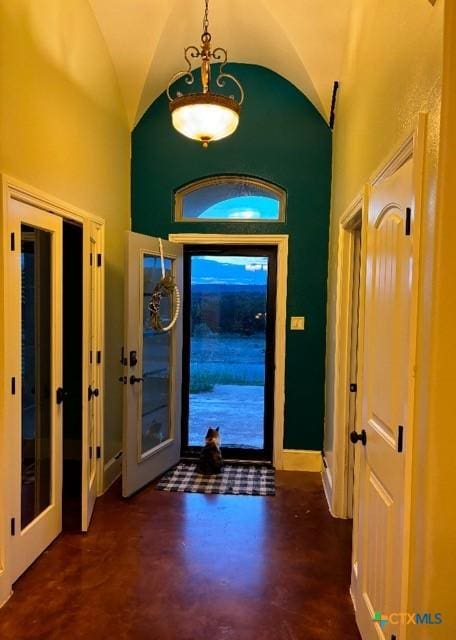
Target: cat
x,y
211,461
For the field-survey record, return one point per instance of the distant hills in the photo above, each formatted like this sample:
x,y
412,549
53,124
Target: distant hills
x,y
209,273
229,288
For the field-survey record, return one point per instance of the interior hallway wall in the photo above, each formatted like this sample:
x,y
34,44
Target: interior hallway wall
x,y
63,129
392,71
434,534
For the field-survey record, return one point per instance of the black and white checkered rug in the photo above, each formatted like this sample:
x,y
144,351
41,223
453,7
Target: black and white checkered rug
x,y
250,480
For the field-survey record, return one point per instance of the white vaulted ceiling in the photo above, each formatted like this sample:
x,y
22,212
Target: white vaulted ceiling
x,y
303,40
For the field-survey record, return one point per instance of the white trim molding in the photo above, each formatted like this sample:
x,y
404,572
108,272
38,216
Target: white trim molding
x,y
335,479
281,242
112,471
327,485
302,460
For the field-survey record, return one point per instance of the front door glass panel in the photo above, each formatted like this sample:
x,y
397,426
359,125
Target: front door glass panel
x,y
229,345
156,357
36,339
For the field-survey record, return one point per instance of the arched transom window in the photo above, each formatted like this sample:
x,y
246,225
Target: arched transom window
x,y
230,198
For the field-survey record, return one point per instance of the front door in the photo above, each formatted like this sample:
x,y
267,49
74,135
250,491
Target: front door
x,y
152,364
34,328
380,526
228,366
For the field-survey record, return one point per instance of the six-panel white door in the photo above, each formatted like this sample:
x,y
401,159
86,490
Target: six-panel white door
x,y
380,527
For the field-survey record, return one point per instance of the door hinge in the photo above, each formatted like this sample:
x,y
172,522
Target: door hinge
x,y
98,357
91,259
325,464
98,259
98,450
353,387
13,526
400,438
90,357
123,359
13,386
408,221
13,242
90,453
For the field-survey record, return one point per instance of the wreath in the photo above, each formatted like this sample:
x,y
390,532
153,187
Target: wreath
x,y
163,289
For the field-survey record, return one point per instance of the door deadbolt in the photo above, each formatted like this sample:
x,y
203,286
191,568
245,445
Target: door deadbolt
x,y
355,437
93,392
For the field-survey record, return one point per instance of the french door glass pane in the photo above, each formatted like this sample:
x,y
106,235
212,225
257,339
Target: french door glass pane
x,y
228,349
156,359
36,372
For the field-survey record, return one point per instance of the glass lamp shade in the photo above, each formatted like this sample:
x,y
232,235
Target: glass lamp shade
x,y
205,117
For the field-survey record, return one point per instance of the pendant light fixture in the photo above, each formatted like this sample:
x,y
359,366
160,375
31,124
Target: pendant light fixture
x,y
205,116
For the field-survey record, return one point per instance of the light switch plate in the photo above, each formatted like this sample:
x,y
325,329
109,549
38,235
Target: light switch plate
x,y
297,323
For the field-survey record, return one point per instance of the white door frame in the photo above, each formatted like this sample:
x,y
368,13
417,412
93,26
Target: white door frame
x,y
336,480
13,188
281,242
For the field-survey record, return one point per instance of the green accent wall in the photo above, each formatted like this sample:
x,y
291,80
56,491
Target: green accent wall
x,y
281,138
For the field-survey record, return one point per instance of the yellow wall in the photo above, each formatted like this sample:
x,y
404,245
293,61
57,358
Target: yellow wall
x,y
392,71
434,536
63,130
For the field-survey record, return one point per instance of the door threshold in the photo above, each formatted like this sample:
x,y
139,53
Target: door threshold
x,y
267,463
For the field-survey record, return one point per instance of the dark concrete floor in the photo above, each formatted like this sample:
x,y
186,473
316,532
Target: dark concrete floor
x,y
163,566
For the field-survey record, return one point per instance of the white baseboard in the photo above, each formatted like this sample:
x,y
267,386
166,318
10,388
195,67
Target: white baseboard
x,y
301,460
112,471
328,488
5,596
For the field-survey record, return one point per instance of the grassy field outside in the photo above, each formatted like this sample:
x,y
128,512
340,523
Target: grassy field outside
x,y
226,359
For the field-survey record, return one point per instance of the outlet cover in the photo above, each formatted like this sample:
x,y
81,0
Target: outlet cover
x,y
297,323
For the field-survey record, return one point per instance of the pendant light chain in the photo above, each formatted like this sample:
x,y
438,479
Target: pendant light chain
x,y
206,19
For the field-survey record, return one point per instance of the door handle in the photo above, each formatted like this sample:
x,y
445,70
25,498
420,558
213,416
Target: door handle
x,y
61,395
355,436
93,392
134,379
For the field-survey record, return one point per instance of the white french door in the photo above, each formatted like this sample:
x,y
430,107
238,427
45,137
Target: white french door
x,y
379,573
34,329
152,366
93,385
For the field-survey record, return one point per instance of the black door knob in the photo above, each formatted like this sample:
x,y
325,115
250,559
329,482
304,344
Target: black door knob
x,y
123,379
93,392
134,379
355,437
61,395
